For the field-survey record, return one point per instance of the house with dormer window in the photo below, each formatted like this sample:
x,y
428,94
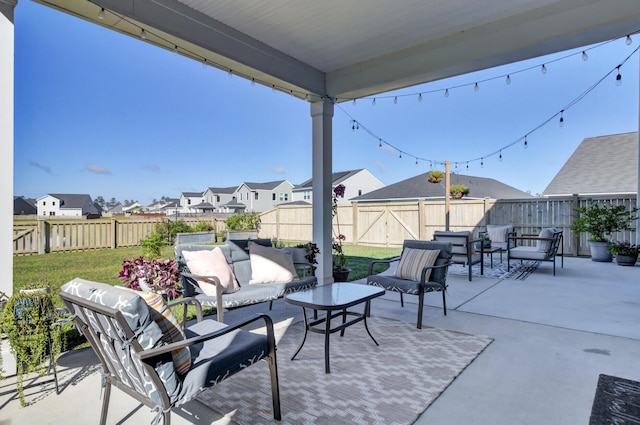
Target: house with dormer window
x,y
356,183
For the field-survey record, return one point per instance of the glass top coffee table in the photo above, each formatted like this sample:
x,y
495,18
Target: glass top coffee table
x,y
334,299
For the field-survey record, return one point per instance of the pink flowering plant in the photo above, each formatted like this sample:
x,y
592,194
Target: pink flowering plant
x,y
339,260
160,276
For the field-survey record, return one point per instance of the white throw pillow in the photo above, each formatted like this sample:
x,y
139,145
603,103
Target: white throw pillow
x,y
413,261
543,246
211,263
270,265
498,233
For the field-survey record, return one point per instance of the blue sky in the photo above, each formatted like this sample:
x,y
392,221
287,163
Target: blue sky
x,y
101,113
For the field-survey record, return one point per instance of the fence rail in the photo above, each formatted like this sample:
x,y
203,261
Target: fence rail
x,y
385,224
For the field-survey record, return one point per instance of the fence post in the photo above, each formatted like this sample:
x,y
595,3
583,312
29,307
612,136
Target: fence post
x,y
43,237
354,220
422,220
114,238
575,203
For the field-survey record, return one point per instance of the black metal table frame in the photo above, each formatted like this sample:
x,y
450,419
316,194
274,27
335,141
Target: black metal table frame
x,y
327,330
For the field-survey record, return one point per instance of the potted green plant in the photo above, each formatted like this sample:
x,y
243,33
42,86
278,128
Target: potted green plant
x,y
600,220
458,191
435,176
27,321
626,253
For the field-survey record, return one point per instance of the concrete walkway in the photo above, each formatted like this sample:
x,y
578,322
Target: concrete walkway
x,y
553,336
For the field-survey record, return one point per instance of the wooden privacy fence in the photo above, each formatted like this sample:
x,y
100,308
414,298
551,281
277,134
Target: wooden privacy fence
x,y
390,223
385,224
48,234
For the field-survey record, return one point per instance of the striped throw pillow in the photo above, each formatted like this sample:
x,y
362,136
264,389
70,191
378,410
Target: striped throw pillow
x,y
171,329
413,261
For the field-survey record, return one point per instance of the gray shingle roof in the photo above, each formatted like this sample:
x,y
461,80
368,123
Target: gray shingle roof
x,y
191,194
264,186
418,188
605,164
223,189
336,178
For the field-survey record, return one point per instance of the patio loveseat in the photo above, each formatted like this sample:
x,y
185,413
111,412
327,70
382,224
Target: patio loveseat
x,y
237,255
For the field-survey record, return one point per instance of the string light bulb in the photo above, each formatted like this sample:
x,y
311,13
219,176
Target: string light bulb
x,y
175,49
380,144
373,102
101,14
618,77
204,63
446,93
354,102
400,157
143,34
395,100
500,157
420,97
628,40
525,142
508,80
253,82
585,57
416,161
561,119
467,165
481,162
543,69
476,87
230,74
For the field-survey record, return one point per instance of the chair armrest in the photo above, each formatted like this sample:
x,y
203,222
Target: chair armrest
x,y
424,271
214,280
186,301
152,355
388,261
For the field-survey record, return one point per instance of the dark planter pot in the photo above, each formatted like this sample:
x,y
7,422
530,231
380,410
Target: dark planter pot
x,y
626,260
600,252
341,275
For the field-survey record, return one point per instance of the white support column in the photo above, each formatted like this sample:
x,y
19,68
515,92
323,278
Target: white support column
x,y
322,129
6,144
638,187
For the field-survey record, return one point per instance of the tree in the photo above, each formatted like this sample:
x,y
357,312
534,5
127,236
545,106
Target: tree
x,y
100,201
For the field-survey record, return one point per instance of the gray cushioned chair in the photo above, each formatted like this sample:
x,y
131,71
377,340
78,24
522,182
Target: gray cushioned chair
x,y
547,243
464,249
437,280
136,357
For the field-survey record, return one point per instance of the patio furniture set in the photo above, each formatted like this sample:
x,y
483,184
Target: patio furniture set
x,y
146,353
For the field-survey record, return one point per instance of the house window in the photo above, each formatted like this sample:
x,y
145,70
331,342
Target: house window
x,y
53,203
306,194
217,198
255,196
284,196
44,203
52,213
188,201
359,192
273,196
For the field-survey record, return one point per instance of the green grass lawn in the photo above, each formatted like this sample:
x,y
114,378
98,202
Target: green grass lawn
x,y
55,269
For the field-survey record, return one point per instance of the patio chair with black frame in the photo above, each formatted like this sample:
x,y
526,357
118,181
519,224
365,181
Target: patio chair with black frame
x,y
424,270
548,241
464,248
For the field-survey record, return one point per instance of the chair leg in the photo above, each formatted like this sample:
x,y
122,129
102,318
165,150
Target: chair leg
x,y
275,388
420,308
271,305
444,302
401,300
469,272
105,403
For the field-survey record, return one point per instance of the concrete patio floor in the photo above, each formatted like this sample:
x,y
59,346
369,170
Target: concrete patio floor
x,y
553,336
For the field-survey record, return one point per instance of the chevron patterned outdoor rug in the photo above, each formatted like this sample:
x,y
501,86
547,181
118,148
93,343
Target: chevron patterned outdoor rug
x,y
519,271
392,383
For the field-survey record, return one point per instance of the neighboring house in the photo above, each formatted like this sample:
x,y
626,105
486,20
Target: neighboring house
x,y
600,165
356,183
419,187
24,206
162,205
68,205
218,196
233,207
259,197
133,208
188,200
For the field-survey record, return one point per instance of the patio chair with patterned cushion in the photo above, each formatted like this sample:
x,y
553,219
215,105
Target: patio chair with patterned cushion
x,y
501,236
547,243
145,352
464,248
422,268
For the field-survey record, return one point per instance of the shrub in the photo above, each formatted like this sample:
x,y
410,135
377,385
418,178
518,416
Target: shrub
x,y
202,226
249,221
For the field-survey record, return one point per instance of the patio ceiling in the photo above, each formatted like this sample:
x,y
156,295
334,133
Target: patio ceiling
x,y
355,48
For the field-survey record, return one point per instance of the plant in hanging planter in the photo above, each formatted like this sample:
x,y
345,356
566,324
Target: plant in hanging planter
x,y
311,251
458,191
339,259
435,176
27,321
155,275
